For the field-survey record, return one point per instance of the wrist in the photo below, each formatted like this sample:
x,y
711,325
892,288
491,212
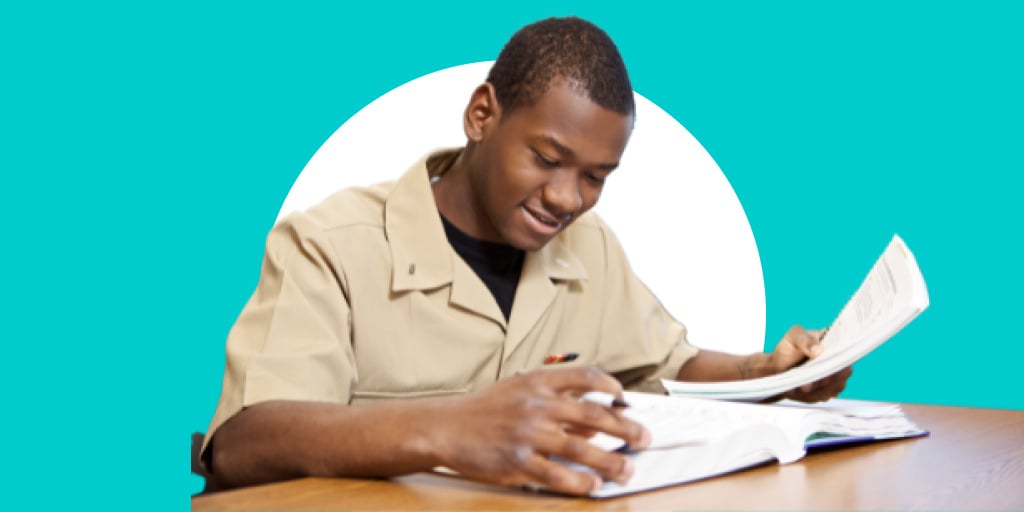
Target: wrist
x,y
429,437
423,443
758,365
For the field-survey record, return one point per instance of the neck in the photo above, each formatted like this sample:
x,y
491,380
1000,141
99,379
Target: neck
x,y
458,202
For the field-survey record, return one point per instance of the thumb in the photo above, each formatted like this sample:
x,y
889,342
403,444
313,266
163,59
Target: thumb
x,y
806,342
796,346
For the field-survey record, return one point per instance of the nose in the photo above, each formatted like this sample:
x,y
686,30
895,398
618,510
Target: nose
x,y
562,194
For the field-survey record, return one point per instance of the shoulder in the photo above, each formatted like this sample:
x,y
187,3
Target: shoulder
x,y
587,233
593,242
349,217
357,206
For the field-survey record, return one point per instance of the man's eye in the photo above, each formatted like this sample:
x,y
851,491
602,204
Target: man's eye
x,y
546,162
595,178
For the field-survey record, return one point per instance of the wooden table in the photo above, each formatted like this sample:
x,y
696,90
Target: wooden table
x,y
974,459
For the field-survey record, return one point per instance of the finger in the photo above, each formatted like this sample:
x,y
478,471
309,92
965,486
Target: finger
x,y
579,431
833,383
818,395
843,375
611,465
591,416
538,470
579,380
788,352
823,389
804,341
803,395
819,334
836,383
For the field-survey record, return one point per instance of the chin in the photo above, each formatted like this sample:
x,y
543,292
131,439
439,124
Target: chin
x,y
530,247
528,244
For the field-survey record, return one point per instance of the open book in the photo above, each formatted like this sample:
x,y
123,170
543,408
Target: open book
x,y
693,439
892,295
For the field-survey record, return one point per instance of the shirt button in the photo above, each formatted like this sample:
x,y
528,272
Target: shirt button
x,y
412,268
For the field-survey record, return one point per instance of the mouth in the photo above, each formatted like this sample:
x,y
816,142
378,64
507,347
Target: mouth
x,y
543,223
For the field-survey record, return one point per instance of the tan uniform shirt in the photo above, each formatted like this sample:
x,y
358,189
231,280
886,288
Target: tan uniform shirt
x,y
362,298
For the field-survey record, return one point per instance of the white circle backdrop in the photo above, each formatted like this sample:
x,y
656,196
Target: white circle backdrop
x,y
683,228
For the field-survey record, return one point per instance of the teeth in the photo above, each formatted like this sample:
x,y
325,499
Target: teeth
x,y
543,220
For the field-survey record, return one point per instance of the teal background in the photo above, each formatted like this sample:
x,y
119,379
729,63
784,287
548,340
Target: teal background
x,y
146,150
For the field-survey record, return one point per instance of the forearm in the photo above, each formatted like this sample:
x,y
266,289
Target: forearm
x,y
274,441
711,366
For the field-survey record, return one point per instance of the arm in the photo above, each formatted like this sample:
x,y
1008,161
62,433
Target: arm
x,y
502,434
796,346
284,409
711,366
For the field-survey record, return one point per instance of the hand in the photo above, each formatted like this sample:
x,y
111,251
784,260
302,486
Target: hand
x,y
797,346
505,433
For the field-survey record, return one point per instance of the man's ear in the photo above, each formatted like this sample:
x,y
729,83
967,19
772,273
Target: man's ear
x,y
482,112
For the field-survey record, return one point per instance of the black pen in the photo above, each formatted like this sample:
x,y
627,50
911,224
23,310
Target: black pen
x,y
619,403
625,448
601,398
616,403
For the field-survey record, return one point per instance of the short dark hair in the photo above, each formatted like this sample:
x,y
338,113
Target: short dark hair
x,y
570,48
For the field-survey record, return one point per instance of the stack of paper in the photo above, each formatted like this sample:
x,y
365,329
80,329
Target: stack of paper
x,y
892,295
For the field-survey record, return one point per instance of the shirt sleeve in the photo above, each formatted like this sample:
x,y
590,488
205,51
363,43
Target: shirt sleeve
x,y
641,343
292,340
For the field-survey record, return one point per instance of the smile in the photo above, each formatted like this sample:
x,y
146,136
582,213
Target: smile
x,y
542,223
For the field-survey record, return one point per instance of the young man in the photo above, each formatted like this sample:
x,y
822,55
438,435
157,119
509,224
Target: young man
x,y
414,324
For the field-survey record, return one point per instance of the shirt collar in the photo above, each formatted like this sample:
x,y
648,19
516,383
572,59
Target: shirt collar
x,y
421,256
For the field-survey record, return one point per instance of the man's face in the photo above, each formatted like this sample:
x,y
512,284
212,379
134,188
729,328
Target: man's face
x,y
540,167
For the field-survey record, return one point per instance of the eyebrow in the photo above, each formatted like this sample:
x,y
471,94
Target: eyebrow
x,y
566,152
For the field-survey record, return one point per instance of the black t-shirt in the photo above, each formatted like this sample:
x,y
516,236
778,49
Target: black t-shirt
x,y
498,265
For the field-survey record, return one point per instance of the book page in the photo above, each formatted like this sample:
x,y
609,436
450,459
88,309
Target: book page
x,y
892,295
886,291
694,438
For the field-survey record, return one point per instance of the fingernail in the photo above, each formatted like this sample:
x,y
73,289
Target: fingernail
x,y
645,438
597,484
